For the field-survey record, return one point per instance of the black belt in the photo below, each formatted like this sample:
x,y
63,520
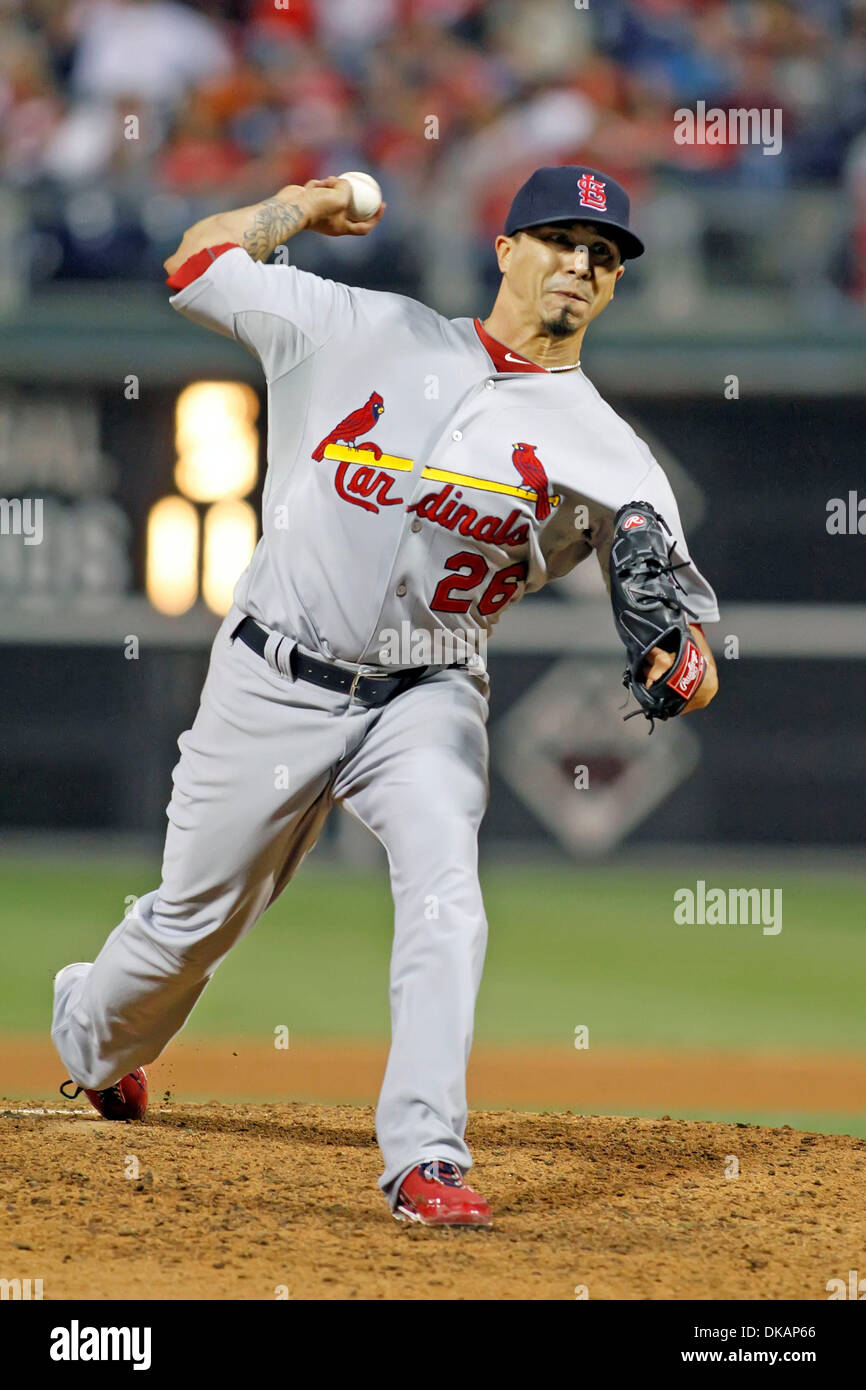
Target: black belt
x,y
370,690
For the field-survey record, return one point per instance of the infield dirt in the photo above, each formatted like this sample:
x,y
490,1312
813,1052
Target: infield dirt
x,y
260,1201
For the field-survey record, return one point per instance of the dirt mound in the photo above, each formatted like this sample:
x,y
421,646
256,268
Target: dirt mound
x,y
244,1201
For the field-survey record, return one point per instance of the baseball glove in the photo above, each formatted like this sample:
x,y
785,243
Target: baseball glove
x,y
649,612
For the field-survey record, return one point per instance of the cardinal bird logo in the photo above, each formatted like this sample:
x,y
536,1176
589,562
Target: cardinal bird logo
x,y
355,424
531,470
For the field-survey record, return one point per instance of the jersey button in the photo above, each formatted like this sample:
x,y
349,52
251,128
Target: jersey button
x,y
489,385
457,435
416,525
401,590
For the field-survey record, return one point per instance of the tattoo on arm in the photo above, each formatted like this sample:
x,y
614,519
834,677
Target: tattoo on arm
x,y
274,222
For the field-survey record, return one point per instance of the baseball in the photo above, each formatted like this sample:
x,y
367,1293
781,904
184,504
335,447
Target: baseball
x,y
366,195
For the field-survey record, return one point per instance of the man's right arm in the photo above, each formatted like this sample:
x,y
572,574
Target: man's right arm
x,y
259,229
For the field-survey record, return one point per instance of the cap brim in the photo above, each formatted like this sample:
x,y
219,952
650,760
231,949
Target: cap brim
x,y
630,245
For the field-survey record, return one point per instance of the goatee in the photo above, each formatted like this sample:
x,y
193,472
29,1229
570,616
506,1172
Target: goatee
x,y
560,326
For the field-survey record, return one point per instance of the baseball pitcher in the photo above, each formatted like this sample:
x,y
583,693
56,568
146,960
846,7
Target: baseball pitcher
x,y
423,474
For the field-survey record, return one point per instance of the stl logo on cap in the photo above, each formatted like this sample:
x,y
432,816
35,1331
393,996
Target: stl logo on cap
x,y
592,193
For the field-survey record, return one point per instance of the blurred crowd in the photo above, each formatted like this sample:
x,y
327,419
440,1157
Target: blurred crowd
x,y
123,120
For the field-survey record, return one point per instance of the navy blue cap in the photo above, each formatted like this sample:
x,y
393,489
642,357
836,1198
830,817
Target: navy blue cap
x,y
574,193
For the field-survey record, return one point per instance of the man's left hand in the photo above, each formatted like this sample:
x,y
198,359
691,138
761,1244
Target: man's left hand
x,y
657,662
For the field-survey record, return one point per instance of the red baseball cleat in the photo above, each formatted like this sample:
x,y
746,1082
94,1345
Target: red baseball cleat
x,y
434,1194
125,1100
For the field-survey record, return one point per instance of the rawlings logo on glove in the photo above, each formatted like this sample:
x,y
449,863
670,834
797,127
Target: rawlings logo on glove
x,y
687,676
649,612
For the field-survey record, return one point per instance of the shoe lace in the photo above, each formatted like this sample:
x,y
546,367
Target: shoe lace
x,y
443,1171
114,1091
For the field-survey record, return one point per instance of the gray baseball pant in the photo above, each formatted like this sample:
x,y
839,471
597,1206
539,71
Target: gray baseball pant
x,y
413,772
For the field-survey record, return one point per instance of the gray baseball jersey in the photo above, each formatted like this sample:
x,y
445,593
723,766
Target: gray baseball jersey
x,y
418,472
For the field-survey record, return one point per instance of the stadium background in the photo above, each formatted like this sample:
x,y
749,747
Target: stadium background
x,y
736,348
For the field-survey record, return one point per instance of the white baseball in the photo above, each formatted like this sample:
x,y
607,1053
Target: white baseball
x,y
366,196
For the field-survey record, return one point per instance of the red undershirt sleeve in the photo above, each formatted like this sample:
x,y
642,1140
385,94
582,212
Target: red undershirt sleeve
x,y
196,265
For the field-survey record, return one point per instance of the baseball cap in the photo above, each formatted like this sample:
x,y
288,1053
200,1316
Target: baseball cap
x,y
574,193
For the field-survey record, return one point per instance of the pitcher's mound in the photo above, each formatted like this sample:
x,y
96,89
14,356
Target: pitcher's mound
x,y
268,1201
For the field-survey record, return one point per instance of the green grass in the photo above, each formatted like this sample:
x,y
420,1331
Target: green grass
x,y
567,946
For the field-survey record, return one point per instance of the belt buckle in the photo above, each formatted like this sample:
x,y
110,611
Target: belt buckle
x,y
354,686
367,675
